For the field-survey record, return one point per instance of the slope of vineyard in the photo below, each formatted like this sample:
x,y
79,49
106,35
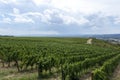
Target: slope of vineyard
x,y
56,58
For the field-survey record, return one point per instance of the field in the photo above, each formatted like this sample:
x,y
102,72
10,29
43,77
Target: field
x,y
32,58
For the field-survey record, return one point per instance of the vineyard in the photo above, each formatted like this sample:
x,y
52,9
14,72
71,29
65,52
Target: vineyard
x,y
60,58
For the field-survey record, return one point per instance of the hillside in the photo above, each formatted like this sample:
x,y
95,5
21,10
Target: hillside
x,y
51,58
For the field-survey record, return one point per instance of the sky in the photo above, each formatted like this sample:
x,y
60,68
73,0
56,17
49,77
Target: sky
x,y
59,17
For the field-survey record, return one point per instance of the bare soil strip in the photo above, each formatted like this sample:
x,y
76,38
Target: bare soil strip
x,y
116,74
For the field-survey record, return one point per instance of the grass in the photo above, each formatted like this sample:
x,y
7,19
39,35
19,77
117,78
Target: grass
x,y
12,74
116,74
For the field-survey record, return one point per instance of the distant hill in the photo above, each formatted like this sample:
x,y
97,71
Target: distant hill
x,y
6,36
107,36
100,36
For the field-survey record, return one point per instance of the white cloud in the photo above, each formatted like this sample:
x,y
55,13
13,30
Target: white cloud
x,y
9,1
108,7
54,16
95,28
35,14
64,10
6,20
117,20
20,18
96,15
41,2
16,11
3,1
71,20
42,16
73,6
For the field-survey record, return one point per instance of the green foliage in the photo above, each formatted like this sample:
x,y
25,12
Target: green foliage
x,y
99,75
71,56
107,69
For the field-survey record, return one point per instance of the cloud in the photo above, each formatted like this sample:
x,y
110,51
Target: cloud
x,y
3,1
87,7
9,1
61,12
117,20
20,18
16,11
50,16
63,16
6,20
72,20
41,2
73,6
54,16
